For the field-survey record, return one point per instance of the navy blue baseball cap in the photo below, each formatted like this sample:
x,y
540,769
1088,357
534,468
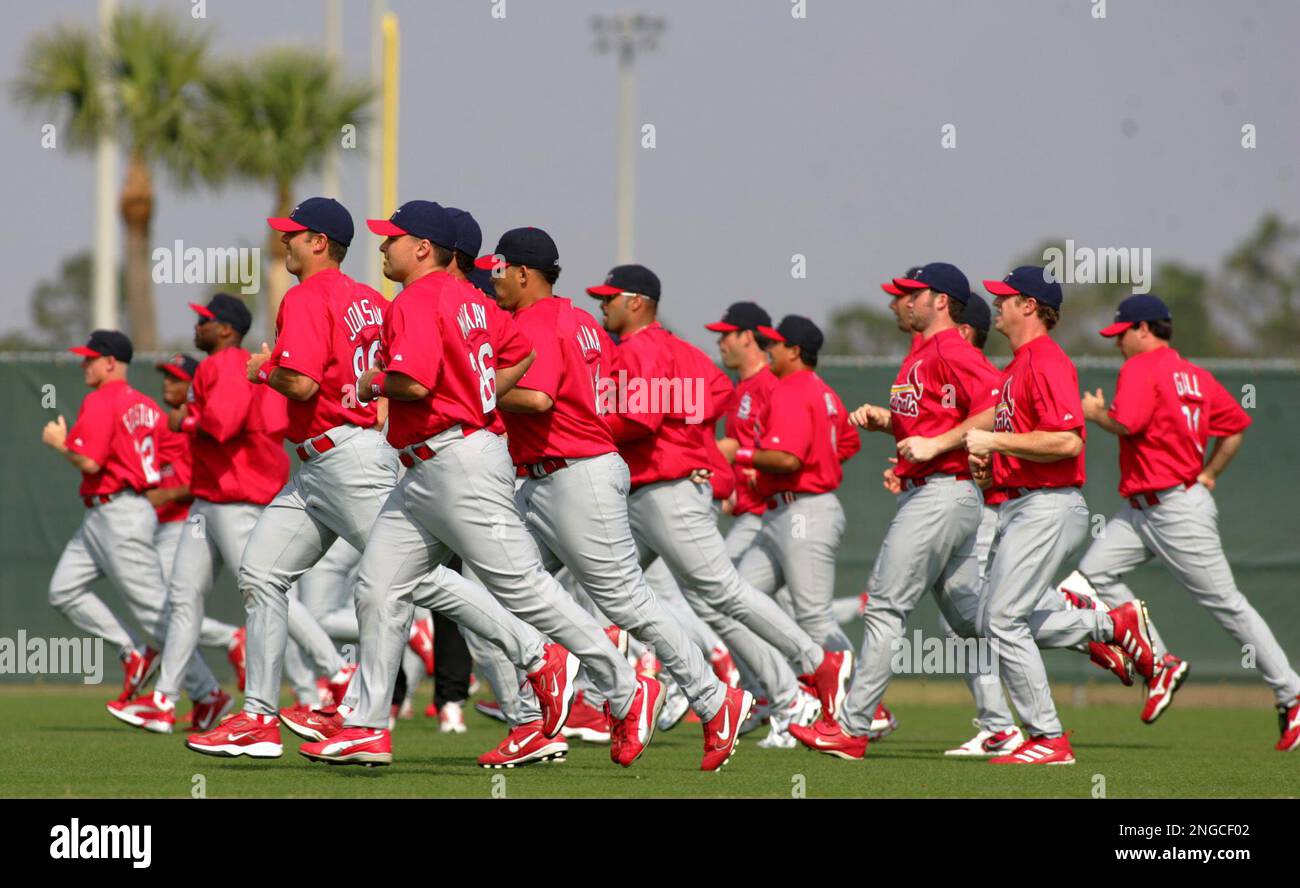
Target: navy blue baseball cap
x,y
977,313
226,309
628,279
893,290
741,316
483,280
1029,280
179,366
419,218
529,247
323,214
106,344
796,330
941,277
1136,309
469,237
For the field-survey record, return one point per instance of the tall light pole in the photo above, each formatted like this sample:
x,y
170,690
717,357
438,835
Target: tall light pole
x,y
104,290
626,34
330,177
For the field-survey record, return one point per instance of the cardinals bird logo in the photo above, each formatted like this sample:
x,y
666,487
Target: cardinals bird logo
x,y
746,402
905,397
1006,409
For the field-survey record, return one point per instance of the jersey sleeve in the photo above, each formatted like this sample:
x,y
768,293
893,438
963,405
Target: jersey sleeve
x,y
226,400
1056,399
1226,415
91,435
1135,400
847,440
788,427
975,381
304,336
407,350
543,374
722,394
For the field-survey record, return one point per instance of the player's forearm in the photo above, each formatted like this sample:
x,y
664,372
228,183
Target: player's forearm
x,y
955,436
83,463
1224,451
1038,446
1107,423
292,384
507,377
400,387
774,462
524,400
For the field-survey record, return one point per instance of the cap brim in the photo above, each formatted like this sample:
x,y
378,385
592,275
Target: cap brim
x,y
384,228
284,223
891,289
174,371
1116,328
1001,288
769,333
85,351
203,310
602,290
721,327
489,263
910,284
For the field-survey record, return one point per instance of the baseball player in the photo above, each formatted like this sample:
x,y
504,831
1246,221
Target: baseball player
x,y
671,514
115,445
448,354
574,495
1164,411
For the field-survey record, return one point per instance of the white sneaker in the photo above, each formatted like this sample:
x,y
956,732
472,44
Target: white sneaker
x,y
758,716
675,705
451,720
803,710
987,743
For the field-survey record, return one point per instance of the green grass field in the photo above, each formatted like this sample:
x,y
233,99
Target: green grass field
x,y
61,743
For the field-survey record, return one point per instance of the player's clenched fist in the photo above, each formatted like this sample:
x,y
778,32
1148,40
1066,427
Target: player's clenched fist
x,y
891,480
871,418
981,469
364,383
1094,405
916,449
256,360
55,433
979,442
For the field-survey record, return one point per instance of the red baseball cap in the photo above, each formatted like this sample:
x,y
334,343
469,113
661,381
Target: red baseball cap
x,y
179,366
893,289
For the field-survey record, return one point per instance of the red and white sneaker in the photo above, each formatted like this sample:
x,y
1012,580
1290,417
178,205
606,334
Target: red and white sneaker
x,y
883,723
256,736
831,681
585,722
421,642
722,732
312,724
1170,674
137,667
724,666
208,712
492,709
989,742
1111,658
339,683
527,744
237,654
153,712
829,737
352,746
553,685
451,718
629,736
1039,751
618,638
1288,720
1133,636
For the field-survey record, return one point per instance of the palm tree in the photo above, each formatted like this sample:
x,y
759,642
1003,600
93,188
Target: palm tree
x,y
273,119
145,88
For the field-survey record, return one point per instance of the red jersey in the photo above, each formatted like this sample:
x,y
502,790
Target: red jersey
x,y
237,433
742,421
118,427
935,390
572,352
446,336
723,480
663,389
1039,392
805,417
328,330
1171,408
174,469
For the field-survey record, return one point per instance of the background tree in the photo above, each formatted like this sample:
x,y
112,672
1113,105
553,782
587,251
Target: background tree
x,y
1263,281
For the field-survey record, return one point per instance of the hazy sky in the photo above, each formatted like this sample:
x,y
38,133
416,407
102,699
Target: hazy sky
x,y
775,136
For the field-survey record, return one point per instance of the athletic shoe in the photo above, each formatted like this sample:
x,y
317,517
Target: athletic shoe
x,y
586,722
421,642
136,668
1288,720
1111,658
553,685
803,710
431,711
724,666
831,681
827,736
256,736
722,733
153,712
324,696
1039,751
618,638
352,746
760,714
474,686
883,723
451,720
208,712
237,654
1170,674
492,709
630,735
1134,637
525,745
405,712
989,742
675,705
312,724
338,683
